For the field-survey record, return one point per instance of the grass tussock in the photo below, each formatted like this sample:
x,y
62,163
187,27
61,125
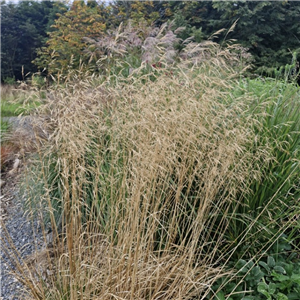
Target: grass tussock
x,y
137,176
139,179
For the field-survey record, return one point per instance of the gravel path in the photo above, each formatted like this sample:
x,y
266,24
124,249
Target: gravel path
x,y
18,225
21,231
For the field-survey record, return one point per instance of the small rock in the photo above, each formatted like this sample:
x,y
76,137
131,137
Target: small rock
x,y
2,183
15,167
16,163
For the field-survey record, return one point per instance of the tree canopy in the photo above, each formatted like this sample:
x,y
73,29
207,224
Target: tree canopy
x,y
65,44
24,28
54,35
269,29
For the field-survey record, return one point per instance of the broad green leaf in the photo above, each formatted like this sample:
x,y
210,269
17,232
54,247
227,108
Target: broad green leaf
x,y
279,269
296,278
220,296
271,261
257,273
264,265
263,289
280,277
281,296
293,296
272,288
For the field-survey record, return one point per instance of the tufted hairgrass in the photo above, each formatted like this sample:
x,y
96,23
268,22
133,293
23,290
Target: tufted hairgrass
x,y
142,179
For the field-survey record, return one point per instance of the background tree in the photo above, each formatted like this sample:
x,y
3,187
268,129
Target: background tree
x,y
23,30
9,40
65,46
150,12
269,29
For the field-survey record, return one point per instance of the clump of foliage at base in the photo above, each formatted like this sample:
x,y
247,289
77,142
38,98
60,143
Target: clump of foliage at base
x,y
273,276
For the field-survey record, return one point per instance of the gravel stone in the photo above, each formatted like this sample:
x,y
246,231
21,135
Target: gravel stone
x,y
21,232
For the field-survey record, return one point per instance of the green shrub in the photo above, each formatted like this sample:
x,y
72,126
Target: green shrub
x,y
272,277
10,80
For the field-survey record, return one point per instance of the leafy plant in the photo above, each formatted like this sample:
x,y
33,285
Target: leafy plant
x,y
65,45
272,277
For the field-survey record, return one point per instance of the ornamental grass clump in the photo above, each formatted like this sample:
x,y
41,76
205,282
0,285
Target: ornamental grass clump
x,y
124,49
137,177
274,199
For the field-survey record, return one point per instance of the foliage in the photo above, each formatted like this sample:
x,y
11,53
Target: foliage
x,y
147,12
268,29
23,30
261,27
274,276
65,44
10,39
194,13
